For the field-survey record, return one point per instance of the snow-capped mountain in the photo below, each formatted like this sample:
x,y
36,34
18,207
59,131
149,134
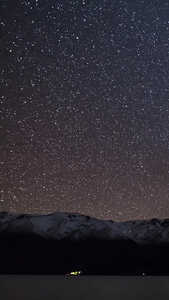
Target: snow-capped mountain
x,y
60,243
75,226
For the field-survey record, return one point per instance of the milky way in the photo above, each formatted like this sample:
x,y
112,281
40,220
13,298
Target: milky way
x,y
85,107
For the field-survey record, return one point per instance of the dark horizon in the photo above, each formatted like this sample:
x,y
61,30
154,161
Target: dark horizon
x,y
74,213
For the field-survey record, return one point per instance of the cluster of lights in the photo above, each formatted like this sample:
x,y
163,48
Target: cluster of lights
x,y
75,273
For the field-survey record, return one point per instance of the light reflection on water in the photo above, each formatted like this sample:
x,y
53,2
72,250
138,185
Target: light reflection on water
x,y
24,287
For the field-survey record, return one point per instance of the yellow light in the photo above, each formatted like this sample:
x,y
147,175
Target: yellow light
x,y
75,273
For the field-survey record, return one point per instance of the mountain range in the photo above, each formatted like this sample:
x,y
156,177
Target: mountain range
x,y
70,243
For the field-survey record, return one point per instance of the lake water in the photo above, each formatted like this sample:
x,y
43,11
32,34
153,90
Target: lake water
x,y
28,287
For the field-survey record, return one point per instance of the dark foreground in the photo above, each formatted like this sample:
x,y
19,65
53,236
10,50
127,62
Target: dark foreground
x,y
34,255
26,287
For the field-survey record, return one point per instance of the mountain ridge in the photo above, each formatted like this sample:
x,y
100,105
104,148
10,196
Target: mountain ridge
x,y
59,243
61,225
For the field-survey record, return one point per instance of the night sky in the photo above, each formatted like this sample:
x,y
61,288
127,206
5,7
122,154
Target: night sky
x,y
85,107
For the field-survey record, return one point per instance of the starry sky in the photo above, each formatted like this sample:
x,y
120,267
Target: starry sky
x,y
85,107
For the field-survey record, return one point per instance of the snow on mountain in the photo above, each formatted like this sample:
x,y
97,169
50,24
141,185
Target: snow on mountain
x,y
75,226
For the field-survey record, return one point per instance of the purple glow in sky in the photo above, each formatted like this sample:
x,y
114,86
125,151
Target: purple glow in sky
x,y
85,107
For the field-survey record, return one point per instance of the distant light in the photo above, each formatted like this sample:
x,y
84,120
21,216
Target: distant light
x,y
75,273
144,274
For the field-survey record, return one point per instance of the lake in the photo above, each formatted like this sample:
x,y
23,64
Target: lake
x,y
32,287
